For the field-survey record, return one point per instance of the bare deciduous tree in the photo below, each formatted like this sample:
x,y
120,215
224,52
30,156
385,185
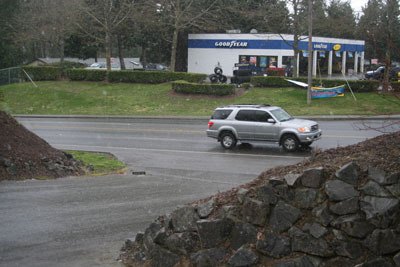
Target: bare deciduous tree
x,y
47,23
179,15
100,20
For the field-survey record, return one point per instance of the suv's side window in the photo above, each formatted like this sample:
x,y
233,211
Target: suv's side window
x,y
221,114
246,115
262,116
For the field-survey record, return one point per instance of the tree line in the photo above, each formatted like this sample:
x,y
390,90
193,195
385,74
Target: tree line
x,y
157,30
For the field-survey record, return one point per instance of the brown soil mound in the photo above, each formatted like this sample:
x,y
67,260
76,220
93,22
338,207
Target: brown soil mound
x,y
24,155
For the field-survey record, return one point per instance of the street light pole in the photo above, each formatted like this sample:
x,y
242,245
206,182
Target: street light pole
x,y
310,52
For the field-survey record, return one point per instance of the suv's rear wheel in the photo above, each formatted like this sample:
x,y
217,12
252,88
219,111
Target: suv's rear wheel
x,y
290,143
228,140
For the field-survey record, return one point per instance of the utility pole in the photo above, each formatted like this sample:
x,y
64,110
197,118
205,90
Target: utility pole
x,y
310,52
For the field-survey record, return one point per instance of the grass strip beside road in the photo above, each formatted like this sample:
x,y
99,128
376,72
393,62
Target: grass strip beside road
x,y
98,163
98,98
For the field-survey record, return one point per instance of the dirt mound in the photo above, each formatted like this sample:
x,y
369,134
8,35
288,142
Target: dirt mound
x,y
24,155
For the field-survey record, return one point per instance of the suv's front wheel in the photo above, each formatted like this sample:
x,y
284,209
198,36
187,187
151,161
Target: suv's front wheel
x,y
228,140
290,143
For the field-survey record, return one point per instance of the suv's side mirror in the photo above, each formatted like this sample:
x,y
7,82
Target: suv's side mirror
x,y
271,120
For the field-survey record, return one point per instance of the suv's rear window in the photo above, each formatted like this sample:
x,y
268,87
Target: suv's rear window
x,y
253,115
221,114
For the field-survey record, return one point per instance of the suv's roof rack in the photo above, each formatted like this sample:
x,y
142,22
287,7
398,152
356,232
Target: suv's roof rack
x,y
249,105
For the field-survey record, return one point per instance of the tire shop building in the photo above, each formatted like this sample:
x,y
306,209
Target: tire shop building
x,y
262,51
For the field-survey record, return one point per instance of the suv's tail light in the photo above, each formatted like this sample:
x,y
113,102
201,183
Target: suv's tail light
x,y
210,124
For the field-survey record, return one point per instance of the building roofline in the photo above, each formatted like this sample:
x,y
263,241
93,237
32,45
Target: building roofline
x,y
271,36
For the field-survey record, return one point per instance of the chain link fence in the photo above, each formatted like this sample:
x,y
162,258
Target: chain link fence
x,y
11,75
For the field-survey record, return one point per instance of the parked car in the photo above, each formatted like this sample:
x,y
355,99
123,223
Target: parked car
x,y
253,123
379,72
103,66
155,66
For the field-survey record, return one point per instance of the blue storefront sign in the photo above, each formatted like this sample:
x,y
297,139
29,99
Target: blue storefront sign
x,y
270,44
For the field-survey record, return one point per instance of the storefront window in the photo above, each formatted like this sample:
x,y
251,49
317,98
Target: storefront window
x,y
287,62
263,62
337,62
322,62
273,62
260,61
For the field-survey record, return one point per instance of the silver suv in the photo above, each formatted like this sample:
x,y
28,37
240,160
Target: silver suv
x,y
248,123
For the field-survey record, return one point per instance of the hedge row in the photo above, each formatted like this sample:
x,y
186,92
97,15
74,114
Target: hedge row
x,y
203,88
43,73
133,76
87,75
55,73
356,85
153,76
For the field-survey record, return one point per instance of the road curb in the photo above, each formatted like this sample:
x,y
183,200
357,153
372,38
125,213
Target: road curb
x,y
204,118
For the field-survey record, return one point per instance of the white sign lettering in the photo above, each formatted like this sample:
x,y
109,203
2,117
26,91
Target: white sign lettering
x,y
230,44
321,46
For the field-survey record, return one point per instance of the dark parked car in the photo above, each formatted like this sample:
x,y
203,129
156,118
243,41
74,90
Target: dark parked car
x,y
379,72
155,66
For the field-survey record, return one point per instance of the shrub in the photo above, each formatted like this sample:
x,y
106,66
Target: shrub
x,y
43,73
361,86
396,86
68,65
246,86
153,76
86,75
203,88
356,85
276,72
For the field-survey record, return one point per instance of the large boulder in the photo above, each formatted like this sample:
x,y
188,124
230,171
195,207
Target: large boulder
x,y
338,190
303,242
255,211
184,219
242,234
214,232
283,216
243,257
373,206
348,173
274,245
313,178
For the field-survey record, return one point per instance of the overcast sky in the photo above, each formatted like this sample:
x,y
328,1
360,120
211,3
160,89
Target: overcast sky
x,y
357,4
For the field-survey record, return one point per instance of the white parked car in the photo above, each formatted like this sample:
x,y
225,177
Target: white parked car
x,y
103,66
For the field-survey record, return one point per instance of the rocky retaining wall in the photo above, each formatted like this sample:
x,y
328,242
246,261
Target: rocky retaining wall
x,y
347,218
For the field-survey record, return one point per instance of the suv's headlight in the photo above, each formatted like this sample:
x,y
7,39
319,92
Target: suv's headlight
x,y
304,129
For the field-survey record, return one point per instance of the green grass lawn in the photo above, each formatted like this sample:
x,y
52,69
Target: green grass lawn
x,y
91,98
99,163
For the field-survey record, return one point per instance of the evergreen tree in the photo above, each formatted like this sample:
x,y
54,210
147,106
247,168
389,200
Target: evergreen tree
x,y
369,28
341,20
10,54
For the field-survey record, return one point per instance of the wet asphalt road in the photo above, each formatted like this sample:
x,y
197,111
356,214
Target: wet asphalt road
x,y
83,221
